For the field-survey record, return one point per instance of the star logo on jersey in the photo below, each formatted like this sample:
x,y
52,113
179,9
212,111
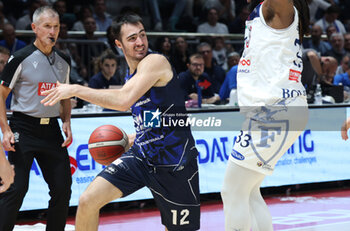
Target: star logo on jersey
x,y
151,118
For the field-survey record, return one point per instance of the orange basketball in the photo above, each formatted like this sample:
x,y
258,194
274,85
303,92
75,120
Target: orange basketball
x,y
107,143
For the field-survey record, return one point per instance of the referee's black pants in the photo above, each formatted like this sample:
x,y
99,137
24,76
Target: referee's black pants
x,y
42,142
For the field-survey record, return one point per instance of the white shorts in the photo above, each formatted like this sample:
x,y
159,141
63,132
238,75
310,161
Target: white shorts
x,y
267,133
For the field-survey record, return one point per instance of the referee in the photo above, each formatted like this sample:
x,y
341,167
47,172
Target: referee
x,y
34,131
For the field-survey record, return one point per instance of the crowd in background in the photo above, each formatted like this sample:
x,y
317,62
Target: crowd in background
x,y
207,66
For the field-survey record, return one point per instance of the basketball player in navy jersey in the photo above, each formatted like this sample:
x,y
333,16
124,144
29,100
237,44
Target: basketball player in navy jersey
x,y
273,101
162,158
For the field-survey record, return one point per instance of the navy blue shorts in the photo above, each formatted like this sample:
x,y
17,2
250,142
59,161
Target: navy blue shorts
x,y
175,193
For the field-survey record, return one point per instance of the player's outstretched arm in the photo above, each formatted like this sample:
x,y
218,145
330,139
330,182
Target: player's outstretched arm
x,y
153,70
6,172
65,114
8,139
278,14
344,129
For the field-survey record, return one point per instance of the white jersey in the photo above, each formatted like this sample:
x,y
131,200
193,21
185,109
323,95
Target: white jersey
x,y
270,67
270,93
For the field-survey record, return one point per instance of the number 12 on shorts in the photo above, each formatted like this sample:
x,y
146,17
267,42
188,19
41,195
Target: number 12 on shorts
x,y
183,215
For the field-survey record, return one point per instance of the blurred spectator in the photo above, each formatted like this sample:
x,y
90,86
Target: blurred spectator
x,y
90,50
177,7
337,51
181,54
4,57
195,81
61,8
343,79
237,26
330,18
232,59
344,13
329,31
194,9
163,46
122,65
215,72
3,19
219,52
10,41
344,65
23,23
314,6
229,83
315,69
347,42
212,25
78,71
107,74
155,13
316,41
102,18
84,12
226,9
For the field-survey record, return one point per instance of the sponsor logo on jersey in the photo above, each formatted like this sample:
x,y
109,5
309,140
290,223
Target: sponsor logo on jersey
x,y
245,62
142,102
44,87
244,71
111,169
264,165
294,75
237,155
292,93
244,66
35,64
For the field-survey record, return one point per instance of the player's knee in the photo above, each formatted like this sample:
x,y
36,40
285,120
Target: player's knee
x,y
225,192
86,201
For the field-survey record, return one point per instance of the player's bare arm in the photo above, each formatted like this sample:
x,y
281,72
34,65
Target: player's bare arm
x,y
65,115
6,172
8,139
278,14
153,70
344,129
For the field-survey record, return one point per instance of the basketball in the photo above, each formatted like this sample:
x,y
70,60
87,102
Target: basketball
x,y
107,143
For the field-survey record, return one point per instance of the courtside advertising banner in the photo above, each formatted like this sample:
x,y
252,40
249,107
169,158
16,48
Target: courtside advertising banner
x,y
318,155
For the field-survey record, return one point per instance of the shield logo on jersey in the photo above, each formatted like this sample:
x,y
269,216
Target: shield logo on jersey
x,y
268,137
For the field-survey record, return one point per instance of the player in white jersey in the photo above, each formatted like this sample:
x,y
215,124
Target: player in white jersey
x,y
273,100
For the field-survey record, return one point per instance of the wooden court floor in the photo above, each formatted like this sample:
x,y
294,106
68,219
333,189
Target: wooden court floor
x,y
313,211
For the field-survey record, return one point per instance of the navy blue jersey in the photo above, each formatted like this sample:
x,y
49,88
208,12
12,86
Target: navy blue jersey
x,y
162,136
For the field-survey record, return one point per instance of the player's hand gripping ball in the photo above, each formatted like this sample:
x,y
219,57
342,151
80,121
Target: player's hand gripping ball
x,y
107,143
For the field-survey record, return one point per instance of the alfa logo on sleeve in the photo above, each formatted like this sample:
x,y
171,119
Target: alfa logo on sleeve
x,y
294,75
44,87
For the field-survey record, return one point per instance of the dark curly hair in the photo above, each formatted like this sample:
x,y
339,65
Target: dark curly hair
x,y
127,18
303,12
